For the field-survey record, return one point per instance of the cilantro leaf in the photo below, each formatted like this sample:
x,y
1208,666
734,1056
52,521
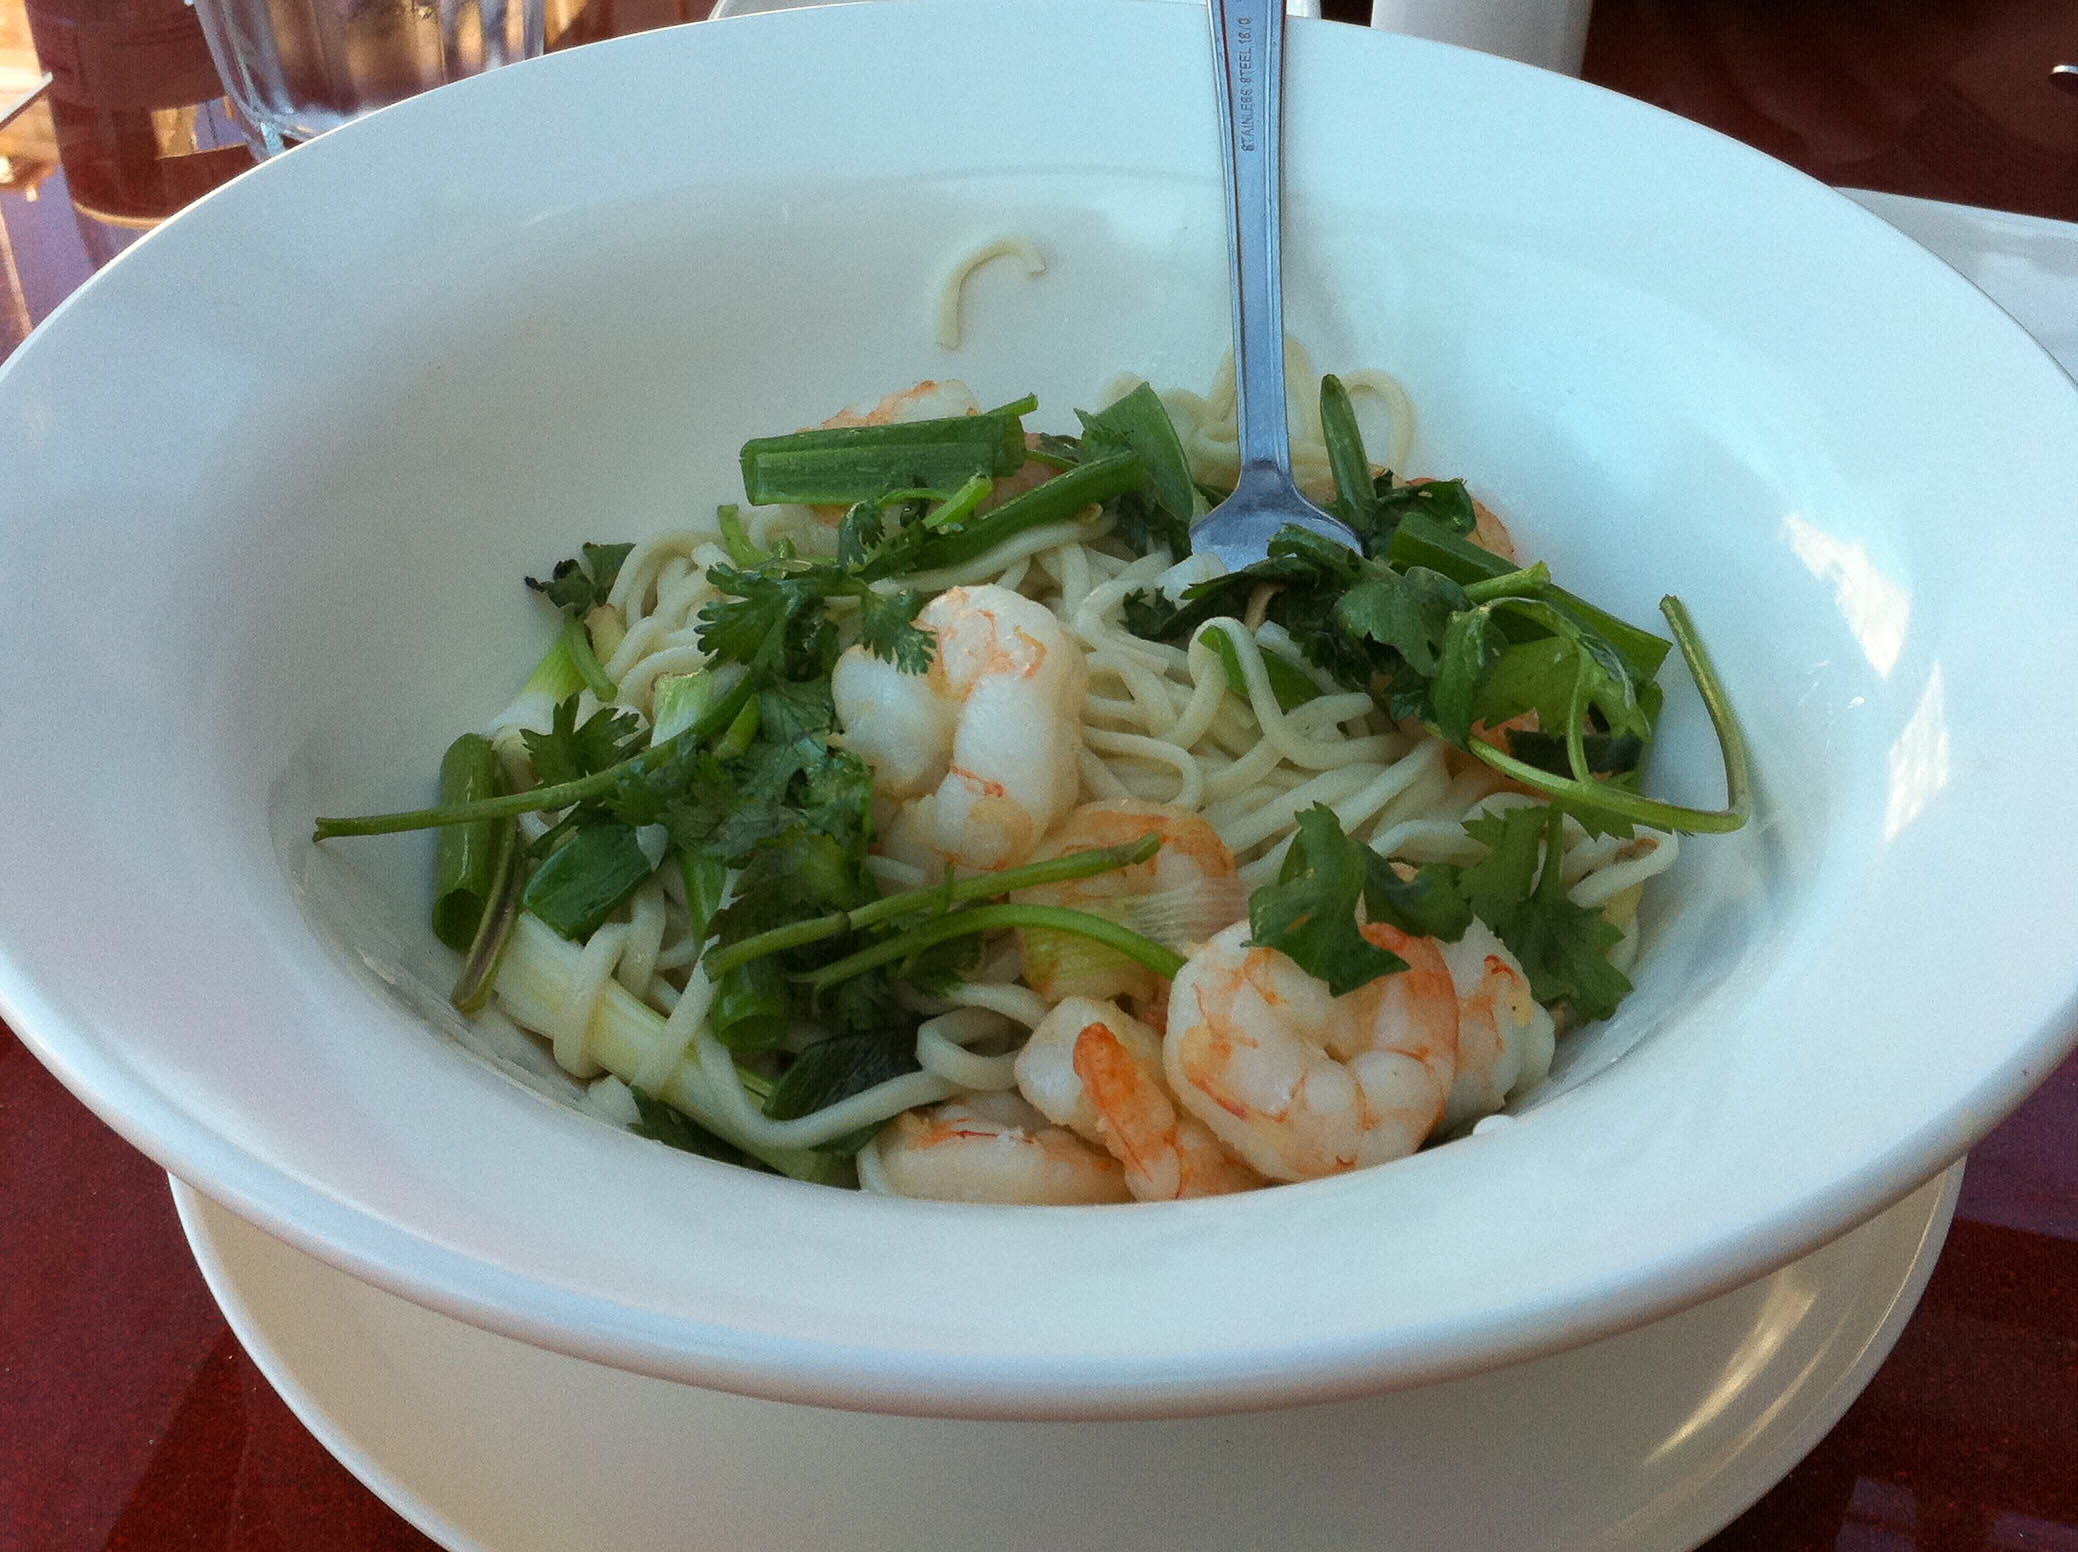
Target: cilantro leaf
x,y
837,1068
1469,649
837,798
580,584
1607,753
569,752
1408,611
1310,914
859,533
791,710
758,609
690,797
1426,902
1149,615
799,871
888,630
1563,947
1446,503
664,1123
1609,688
1530,676
1514,839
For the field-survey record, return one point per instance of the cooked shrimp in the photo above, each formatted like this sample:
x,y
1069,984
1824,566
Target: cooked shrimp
x,y
1505,1036
1490,533
1189,885
993,1148
1302,1083
1098,1071
929,400
981,754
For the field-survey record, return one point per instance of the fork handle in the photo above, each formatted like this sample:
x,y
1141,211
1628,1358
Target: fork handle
x,y
1248,57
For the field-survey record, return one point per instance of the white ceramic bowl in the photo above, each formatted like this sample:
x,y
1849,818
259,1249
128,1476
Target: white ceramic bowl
x,y
273,477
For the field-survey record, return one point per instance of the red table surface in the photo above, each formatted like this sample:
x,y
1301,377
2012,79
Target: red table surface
x,y
131,1419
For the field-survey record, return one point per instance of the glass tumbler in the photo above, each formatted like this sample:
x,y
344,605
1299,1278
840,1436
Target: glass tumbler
x,y
296,68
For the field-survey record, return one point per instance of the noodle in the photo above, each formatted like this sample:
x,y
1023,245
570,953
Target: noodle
x,y
954,288
1158,721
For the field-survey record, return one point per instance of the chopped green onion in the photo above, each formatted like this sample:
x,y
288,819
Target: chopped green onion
x,y
706,885
466,858
741,732
479,974
837,465
677,702
736,538
1139,423
1058,499
1288,682
577,642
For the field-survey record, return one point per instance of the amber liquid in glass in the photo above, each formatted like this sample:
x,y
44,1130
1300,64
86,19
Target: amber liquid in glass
x,y
142,124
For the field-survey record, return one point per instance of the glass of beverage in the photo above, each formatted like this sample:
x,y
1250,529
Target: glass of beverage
x,y
1548,33
296,68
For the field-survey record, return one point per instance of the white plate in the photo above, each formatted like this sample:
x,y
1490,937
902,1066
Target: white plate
x,y
1649,1441
266,569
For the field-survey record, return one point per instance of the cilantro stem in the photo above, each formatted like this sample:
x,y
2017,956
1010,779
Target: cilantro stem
x,y
533,801
537,800
1610,799
1731,739
990,918
577,641
932,897
1530,579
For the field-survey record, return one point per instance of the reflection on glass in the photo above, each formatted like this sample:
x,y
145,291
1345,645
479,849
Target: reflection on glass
x,y
1875,607
1919,758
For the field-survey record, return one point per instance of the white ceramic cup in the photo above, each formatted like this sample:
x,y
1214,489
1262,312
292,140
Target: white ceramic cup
x,y
1549,33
